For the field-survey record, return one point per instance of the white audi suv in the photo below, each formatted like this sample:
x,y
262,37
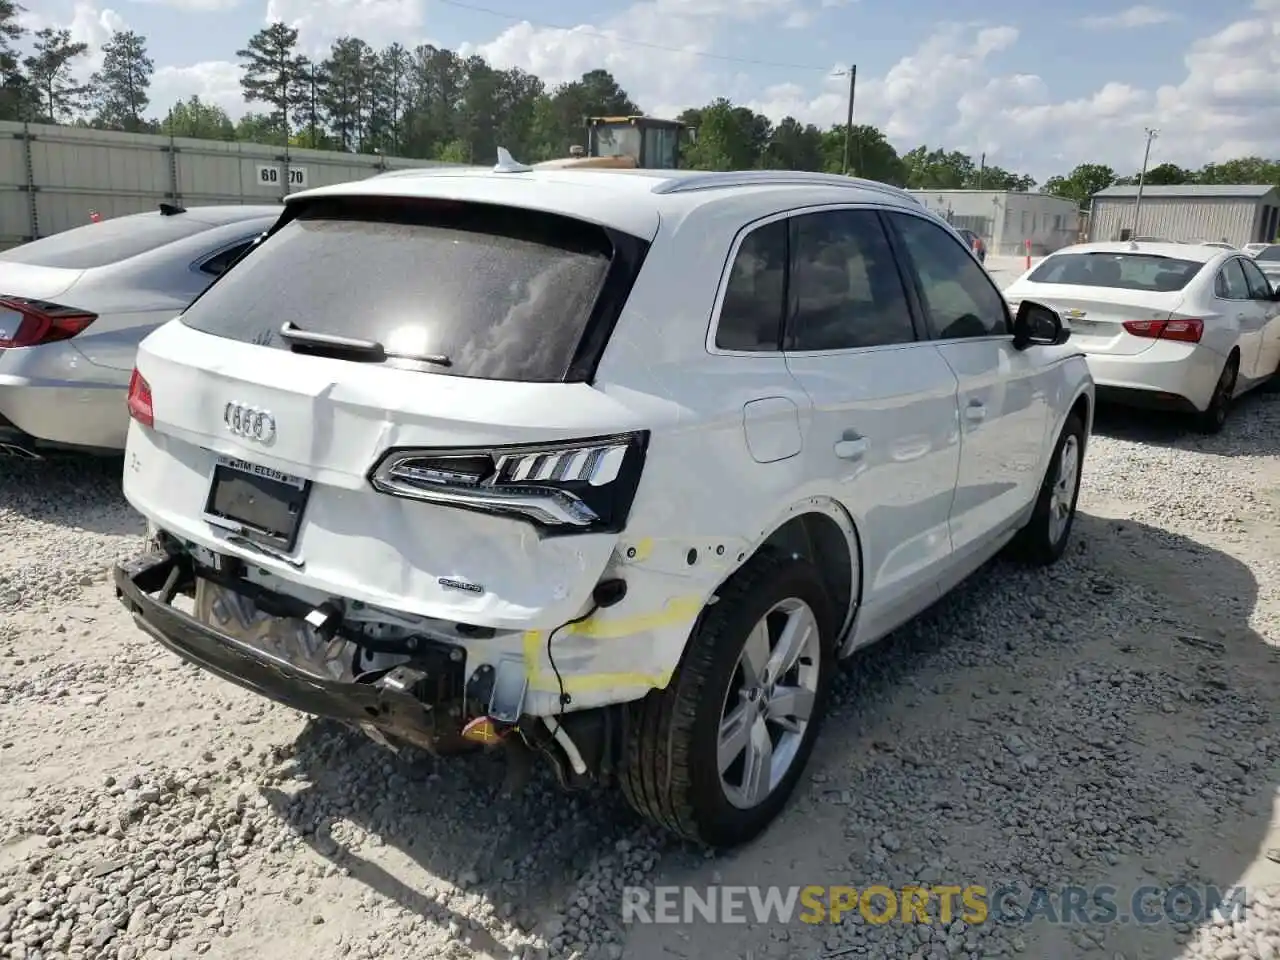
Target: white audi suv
x,y
610,466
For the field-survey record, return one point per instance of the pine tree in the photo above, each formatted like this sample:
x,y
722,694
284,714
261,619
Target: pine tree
x,y
272,69
58,96
15,91
120,87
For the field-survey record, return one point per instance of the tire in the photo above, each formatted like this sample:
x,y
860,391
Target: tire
x,y
1044,539
1215,417
670,771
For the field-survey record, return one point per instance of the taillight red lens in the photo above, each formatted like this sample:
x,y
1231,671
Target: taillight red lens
x,y
140,400
1183,331
30,323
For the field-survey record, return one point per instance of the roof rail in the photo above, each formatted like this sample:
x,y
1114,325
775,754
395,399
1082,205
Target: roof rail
x,y
746,178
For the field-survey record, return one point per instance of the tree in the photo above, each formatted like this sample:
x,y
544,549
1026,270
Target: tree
x,y
729,137
259,128
794,146
271,69
120,88
1242,170
307,97
1081,183
1168,175
870,155
60,97
199,120
938,169
347,94
998,178
15,92
561,118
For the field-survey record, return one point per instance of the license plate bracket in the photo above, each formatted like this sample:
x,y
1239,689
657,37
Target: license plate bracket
x,y
256,502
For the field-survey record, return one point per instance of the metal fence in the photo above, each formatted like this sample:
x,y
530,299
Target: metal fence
x,y
54,178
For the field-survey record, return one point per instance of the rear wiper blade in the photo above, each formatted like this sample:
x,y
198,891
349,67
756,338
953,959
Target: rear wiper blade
x,y
371,350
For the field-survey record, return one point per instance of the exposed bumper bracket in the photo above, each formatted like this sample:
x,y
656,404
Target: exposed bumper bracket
x,y
392,708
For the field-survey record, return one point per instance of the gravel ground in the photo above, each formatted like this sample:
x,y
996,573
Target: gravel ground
x,y
1110,721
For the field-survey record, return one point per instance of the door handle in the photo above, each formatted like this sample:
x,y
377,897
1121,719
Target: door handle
x,y
851,446
975,412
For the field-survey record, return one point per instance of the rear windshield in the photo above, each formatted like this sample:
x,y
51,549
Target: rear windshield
x,y
100,244
490,292
1119,271
1270,253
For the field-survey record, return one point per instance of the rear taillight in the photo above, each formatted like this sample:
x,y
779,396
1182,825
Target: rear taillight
x,y
584,486
1183,331
140,400
30,323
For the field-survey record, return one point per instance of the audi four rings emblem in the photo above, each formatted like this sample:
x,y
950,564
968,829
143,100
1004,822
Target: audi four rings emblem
x,y
249,422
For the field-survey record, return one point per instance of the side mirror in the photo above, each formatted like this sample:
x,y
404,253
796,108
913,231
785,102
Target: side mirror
x,y
1038,325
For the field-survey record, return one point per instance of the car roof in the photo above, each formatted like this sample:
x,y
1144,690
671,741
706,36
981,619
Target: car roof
x,y
634,201
220,214
1180,251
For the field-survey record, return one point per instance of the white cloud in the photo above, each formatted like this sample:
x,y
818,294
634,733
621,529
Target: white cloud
x,y
320,22
88,25
195,6
1130,18
214,81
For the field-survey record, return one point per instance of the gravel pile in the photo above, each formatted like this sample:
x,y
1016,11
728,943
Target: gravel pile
x,y
1112,720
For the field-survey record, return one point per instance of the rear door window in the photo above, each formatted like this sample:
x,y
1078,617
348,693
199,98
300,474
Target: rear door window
x,y
490,292
846,291
100,244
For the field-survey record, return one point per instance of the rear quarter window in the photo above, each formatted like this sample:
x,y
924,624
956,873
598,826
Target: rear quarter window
x,y
503,294
101,244
1117,271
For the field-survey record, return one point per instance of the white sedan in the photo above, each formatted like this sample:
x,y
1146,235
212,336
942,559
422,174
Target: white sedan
x,y
1165,325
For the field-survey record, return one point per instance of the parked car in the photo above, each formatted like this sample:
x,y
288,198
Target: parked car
x,y
975,243
607,465
1220,244
1268,261
1174,326
75,305
1253,249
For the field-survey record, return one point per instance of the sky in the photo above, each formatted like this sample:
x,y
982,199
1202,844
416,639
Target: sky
x,y
1038,87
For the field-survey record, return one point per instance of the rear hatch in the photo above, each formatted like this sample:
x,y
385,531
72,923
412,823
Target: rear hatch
x,y
1098,293
456,340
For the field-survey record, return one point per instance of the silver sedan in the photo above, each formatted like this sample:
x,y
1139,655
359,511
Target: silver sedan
x,y
75,305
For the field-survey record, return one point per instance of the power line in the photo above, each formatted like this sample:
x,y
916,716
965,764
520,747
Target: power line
x,y
587,31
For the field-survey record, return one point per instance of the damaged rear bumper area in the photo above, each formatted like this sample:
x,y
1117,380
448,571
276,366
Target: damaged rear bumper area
x,y
419,702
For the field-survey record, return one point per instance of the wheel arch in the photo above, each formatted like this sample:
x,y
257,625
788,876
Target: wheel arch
x,y
820,530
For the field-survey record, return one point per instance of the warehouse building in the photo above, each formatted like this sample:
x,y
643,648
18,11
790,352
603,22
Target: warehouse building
x,y
1238,214
1006,220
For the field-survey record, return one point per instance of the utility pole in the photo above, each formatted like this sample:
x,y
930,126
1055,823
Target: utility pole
x,y
848,123
982,169
1142,176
